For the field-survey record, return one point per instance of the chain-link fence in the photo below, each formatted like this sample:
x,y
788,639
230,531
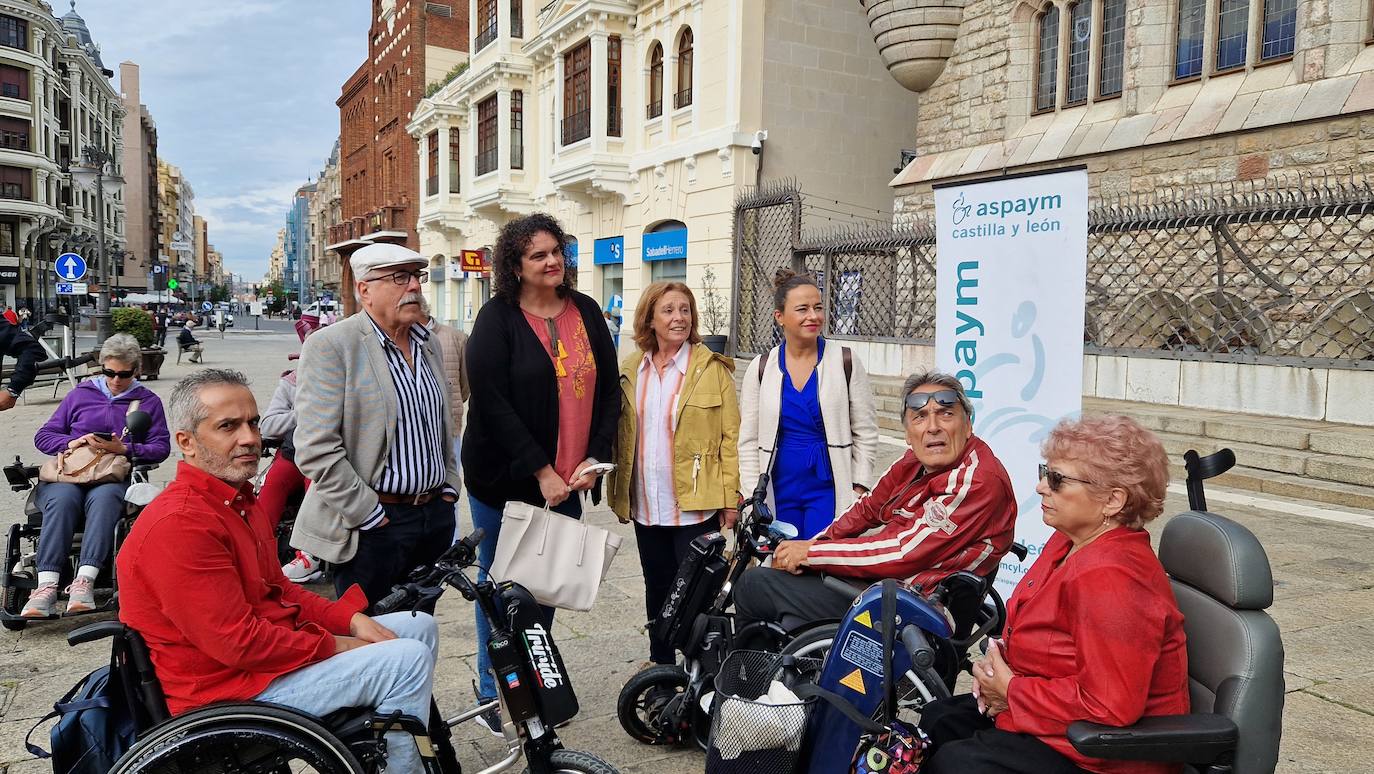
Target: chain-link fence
x,y
1280,275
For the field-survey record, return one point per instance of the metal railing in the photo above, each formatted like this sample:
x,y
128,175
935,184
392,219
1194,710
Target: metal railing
x,y
1276,273
577,126
683,98
654,109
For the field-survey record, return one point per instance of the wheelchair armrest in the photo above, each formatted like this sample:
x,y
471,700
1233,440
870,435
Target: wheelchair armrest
x,y
93,632
843,585
1197,739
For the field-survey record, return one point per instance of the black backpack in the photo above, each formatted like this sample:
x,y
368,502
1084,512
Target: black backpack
x,y
94,726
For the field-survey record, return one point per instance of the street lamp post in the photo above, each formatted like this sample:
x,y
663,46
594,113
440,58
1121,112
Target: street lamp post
x,y
93,172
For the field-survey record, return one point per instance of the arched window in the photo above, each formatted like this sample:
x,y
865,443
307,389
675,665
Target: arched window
x,y
1046,58
1080,43
655,107
683,97
1233,28
1113,32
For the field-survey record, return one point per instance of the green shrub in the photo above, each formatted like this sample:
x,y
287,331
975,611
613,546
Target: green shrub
x,y
134,322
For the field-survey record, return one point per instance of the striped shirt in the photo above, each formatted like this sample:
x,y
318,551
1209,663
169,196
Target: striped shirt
x,y
415,463
654,503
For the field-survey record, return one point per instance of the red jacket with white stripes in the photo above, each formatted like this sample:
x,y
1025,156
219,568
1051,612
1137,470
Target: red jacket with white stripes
x,y
922,527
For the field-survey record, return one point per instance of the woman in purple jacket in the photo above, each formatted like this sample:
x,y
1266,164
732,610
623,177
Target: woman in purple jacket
x,y
97,405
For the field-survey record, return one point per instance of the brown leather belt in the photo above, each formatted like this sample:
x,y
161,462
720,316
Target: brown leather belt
x,y
415,499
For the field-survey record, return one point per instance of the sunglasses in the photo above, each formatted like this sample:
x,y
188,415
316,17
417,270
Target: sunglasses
x,y
129,374
1057,479
918,400
403,277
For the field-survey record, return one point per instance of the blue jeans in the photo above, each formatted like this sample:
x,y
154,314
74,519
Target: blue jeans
x,y
396,675
62,506
488,518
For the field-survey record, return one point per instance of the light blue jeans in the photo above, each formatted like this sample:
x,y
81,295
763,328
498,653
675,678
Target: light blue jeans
x,y
489,519
393,675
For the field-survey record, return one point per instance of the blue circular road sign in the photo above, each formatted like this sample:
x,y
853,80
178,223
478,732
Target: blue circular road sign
x,y
70,267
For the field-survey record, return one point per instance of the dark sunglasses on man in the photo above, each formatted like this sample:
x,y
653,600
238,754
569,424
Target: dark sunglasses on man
x,y
129,374
918,400
1057,479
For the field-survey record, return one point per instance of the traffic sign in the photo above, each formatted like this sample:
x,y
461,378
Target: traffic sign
x,y
70,267
71,288
172,284
183,247
158,268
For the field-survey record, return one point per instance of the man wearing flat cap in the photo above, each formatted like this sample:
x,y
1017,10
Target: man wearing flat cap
x,y
374,432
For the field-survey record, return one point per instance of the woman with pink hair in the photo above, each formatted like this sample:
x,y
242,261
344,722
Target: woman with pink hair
x,y
1092,632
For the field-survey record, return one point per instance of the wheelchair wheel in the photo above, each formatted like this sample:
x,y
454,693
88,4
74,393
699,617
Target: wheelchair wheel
x,y
13,601
650,705
239,738
573,762
914,690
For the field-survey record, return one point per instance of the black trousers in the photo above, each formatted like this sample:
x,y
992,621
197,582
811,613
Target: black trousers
x,y
965,740
661,551
414,535
766,594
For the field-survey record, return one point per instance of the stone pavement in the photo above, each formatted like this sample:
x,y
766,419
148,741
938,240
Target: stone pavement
x,y
1323,604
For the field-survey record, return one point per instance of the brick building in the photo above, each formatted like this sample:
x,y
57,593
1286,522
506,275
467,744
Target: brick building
x,y
411,45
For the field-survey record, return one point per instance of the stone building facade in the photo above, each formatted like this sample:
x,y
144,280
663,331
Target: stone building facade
x,y
637,125
326,211
1160,101
56,98
142,242
410,45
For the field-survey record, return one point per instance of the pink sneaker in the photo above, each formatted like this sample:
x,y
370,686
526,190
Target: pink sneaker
x,y
81,596
41,601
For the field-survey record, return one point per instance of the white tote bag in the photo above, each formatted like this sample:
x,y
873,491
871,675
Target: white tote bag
x,y
560,560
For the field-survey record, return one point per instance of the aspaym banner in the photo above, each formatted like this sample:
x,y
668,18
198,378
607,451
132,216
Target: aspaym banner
x,y
1010,274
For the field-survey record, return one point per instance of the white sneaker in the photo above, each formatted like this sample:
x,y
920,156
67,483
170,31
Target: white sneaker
x,y
303,569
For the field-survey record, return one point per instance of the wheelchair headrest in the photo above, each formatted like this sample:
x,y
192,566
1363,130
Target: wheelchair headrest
x,y
1218,557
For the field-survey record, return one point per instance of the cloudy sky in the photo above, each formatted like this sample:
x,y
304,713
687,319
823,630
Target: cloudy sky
x,y
243,95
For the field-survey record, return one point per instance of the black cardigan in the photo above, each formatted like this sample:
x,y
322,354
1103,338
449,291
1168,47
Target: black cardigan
x,y
512,422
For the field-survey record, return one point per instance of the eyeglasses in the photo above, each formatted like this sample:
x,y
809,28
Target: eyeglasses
x,y
403,277
129,374
918,400
1057,479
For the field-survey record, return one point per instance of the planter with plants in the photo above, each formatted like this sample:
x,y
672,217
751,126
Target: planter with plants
x,y
139,324
715,314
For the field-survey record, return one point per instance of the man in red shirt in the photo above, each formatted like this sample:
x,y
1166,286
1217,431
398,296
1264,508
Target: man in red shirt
x,y
199,579
945,506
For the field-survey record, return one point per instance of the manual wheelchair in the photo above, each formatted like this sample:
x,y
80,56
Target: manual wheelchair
x,y
263,738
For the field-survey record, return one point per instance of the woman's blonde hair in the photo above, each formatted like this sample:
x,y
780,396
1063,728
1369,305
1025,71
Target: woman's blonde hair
x,y
644,314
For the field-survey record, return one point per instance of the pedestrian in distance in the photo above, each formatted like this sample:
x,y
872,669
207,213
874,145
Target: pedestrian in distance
x,y
27,353
676,450
376,440
160,320
808,415
613,326
24,318
188,342
544,397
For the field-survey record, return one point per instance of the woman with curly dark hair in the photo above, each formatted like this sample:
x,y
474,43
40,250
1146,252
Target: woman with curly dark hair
x,y
545,399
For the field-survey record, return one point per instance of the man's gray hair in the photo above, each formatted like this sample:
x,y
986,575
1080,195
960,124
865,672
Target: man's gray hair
x,y
122,347
941,379
184,405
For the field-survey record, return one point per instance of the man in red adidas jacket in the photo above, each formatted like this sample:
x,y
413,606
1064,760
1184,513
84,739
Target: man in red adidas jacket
x,y
945,506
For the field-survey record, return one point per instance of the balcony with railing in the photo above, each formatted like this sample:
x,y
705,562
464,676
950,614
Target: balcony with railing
x,y
654,109
683,98
484,38
577,126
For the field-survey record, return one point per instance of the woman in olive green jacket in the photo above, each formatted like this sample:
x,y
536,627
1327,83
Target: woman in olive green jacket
x,y
676,452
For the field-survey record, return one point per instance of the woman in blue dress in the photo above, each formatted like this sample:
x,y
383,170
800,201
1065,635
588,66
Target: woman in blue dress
x,y
807,415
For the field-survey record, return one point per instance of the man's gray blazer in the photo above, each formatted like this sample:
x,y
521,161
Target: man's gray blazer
x,y
346,415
